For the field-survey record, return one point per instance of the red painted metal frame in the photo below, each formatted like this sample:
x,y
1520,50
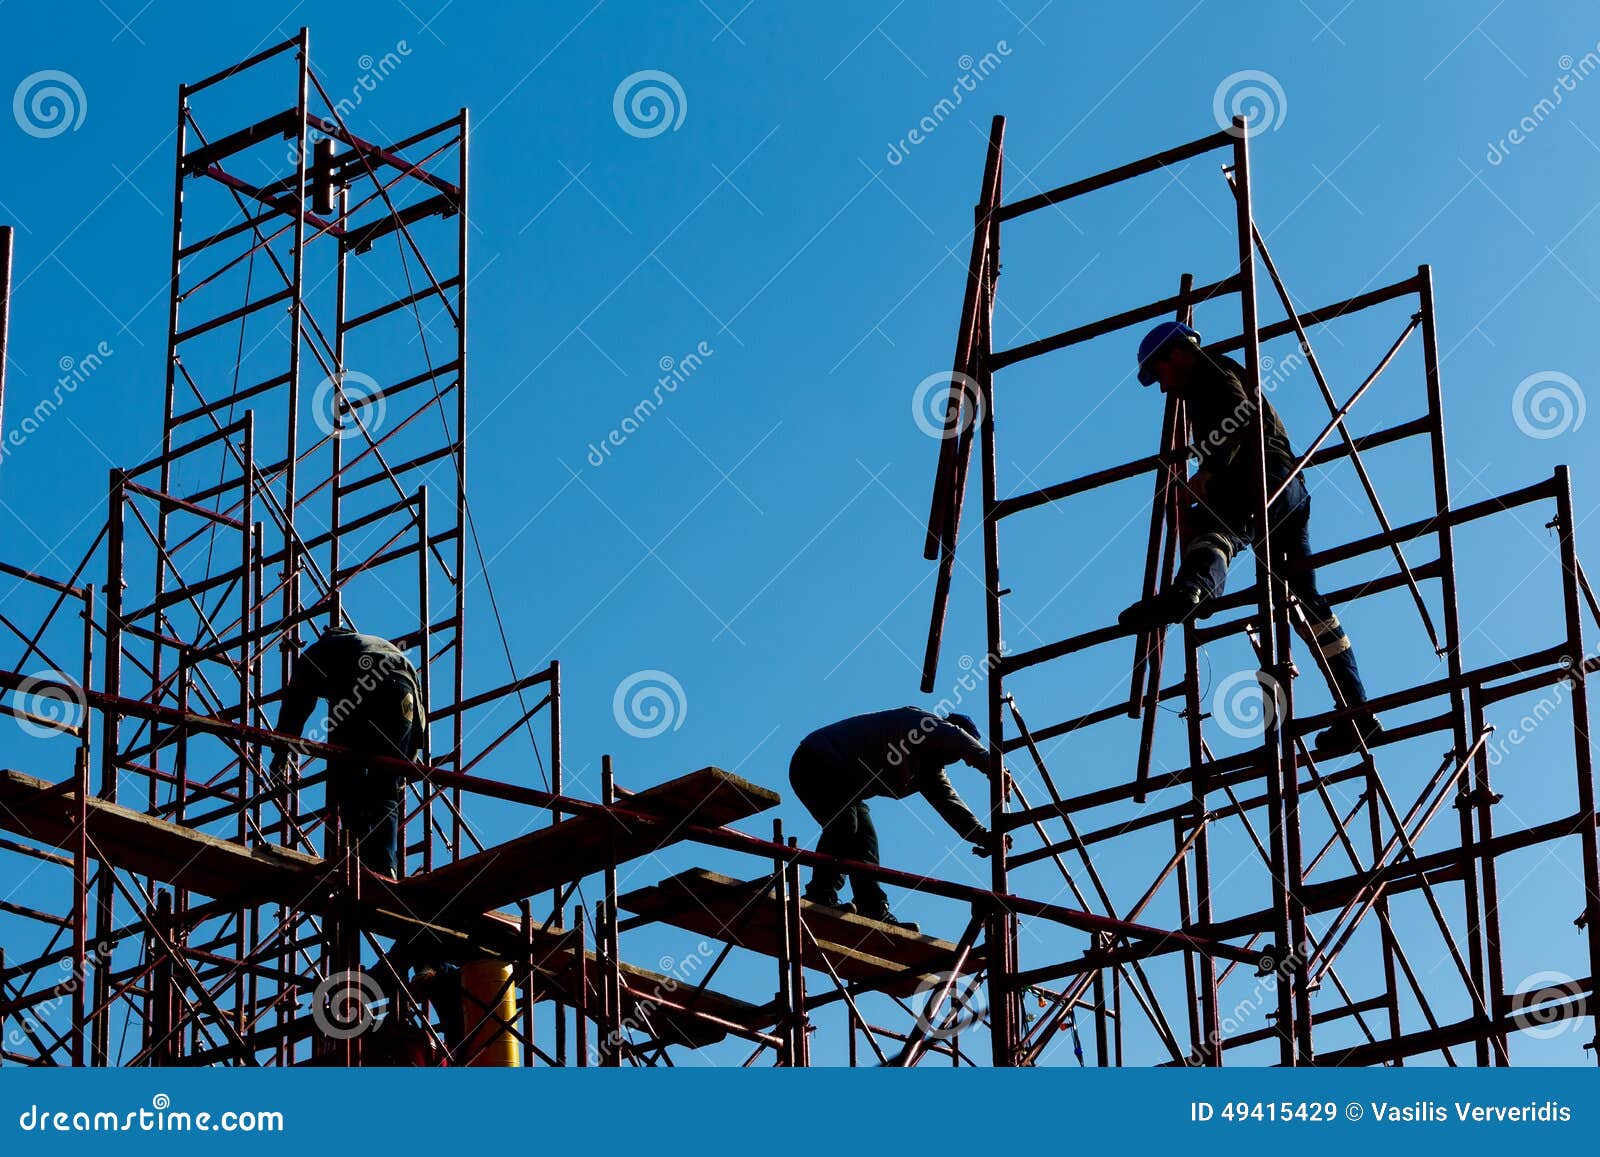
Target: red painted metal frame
x,y
288,533
1280,768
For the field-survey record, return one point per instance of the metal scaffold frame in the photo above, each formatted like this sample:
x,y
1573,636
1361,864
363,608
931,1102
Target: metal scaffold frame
x,y
298,518
207,905
1196,797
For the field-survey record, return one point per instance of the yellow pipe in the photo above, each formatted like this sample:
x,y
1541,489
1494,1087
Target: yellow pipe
x,y
489,1012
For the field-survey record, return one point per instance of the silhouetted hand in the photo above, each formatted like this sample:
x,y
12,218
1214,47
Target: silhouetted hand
x,y
283,763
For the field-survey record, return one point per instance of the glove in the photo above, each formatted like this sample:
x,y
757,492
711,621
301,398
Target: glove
x,y
283,762
981,850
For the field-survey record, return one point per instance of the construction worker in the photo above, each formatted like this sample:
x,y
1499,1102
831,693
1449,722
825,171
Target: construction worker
x,y
1220,522
837,768
374,708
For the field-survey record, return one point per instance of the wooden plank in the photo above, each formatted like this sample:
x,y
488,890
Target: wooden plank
x,y
861,951
556,965
583,844
183,857
47,812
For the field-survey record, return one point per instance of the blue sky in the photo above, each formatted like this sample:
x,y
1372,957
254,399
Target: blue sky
x,y
758,538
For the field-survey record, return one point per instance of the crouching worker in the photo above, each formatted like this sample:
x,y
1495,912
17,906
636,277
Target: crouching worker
x,y
894,753
1220,524
375,709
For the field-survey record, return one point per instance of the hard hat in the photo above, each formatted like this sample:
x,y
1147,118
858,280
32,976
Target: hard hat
x,y
964,722
1159,336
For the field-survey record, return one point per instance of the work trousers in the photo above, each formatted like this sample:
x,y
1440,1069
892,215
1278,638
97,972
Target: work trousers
x,y
368,799
1214,535
847,831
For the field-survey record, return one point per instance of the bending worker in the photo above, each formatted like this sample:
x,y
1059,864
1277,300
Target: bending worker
x,y
837,768
374,708
1221,521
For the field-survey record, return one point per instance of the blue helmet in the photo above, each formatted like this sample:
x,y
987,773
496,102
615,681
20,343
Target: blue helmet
x,y
964,722
1159,336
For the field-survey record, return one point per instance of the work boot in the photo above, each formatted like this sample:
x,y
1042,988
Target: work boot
x,y
841,906
1347,735
884,916
1176,604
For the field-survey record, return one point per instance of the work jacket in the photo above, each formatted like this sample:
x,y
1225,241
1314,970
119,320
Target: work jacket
x,y
366,680
899,752
1219,407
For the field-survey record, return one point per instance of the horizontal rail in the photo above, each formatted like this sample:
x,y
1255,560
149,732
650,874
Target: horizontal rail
x,y
235,69
386,156
1432,524
1090,330
1217,140
1029,500
1323,314
283,124
723,837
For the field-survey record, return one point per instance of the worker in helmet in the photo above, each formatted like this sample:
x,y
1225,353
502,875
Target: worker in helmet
x,y
1220,523
374,708
894,753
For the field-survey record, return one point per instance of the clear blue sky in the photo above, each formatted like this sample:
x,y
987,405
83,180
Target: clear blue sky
x,y
759,537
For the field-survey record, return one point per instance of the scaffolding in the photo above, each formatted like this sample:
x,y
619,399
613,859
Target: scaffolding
x,y
1372,844
312,470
